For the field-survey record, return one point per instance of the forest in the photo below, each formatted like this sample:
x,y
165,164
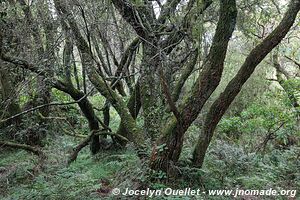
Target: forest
x,y
149,99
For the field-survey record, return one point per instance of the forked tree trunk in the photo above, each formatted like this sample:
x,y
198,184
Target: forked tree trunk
x,y
208,80
222,103
134,106
135,134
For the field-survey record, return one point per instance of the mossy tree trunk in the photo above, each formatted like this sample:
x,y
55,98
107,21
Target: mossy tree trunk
x,y
134,105
280,73
208,80
222,103
96,77
10,107
150,89
45,54
88,111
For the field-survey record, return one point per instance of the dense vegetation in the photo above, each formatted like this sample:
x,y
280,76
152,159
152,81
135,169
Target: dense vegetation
x,y
97,95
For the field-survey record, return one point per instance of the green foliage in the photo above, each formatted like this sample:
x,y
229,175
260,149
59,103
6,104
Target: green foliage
x,y
81,180
258,120
233,160
228,166
230,125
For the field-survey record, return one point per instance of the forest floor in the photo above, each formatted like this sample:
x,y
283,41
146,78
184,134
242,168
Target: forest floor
x,y
93,177
83,179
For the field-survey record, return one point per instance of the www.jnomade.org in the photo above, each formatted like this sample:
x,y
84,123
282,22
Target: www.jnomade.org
x,y
197,192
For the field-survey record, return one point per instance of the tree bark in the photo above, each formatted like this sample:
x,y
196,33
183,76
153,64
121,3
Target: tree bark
x,y
280,71
10,107
184,76
87,110
222,103
98,80
134,106
150,92
206,83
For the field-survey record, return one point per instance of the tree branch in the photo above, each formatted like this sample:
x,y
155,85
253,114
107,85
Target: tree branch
x,y
86,141
225,99
168,95
128,12
43,106
184,75
34,150
294,61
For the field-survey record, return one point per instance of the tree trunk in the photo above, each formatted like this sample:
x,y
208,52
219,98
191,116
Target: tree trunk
x,y
279,73
134,106
222,103
11,107
87,110
208,80
43,86
186,72
150,92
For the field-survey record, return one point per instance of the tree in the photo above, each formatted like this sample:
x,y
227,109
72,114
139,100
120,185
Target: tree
x,y
142,66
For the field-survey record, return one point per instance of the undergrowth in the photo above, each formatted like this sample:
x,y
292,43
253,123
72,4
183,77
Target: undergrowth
x,y
227,166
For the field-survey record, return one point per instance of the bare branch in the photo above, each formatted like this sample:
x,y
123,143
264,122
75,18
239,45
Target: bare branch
x,y
43,106
128,12
168,95
86,141
294,61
